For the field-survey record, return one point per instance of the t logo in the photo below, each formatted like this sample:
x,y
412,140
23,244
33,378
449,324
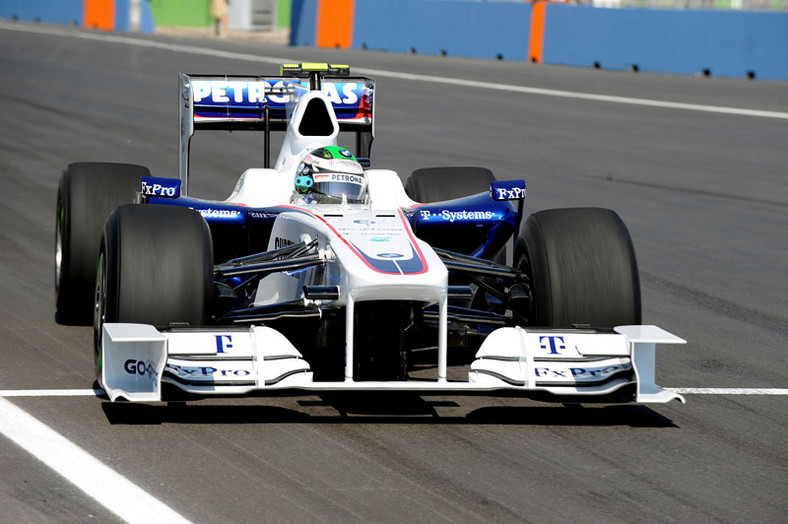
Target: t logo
x,y
221,345
553,343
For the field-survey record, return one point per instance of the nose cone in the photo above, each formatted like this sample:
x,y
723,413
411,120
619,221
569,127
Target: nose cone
x,y
382,259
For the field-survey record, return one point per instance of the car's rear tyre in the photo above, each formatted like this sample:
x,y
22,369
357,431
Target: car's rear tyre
x,y
87,194
155,266
436,184
582,267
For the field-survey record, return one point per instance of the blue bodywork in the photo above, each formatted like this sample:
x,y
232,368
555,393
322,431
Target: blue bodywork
x,y
479,226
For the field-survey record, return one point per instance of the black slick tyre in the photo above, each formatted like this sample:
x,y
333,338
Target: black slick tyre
x,y
436,184
88,192
155,267
582,267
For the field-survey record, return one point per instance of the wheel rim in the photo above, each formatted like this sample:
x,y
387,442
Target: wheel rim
x,y
59,247
99,310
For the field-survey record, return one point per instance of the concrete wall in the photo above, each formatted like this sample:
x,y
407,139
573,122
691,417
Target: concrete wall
x,y
719,43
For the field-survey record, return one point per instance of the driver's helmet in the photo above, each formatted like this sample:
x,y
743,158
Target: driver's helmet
x,y
330,175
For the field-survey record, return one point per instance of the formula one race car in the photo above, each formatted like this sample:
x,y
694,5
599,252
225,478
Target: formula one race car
x,y
321,274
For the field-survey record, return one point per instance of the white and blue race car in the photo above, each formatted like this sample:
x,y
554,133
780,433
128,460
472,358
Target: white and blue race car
x,y
322,274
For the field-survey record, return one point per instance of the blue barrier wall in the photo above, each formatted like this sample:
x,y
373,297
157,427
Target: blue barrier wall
x,y
123,18
455,28
721,43
72,12
303,22
64,12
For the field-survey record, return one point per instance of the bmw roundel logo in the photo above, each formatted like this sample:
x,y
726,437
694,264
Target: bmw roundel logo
x,y
345,153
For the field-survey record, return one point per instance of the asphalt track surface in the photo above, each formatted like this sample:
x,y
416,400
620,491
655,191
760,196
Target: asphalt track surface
x,y
704,195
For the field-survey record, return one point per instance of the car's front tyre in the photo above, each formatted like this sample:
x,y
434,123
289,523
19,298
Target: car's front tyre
x,y
155,266
582,269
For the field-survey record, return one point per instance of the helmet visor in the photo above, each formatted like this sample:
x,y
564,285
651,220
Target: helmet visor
x,y
334,185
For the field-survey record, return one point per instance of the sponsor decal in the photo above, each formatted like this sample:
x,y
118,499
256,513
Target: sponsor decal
x,y
220,214
245,92
507,190
280,242
553,344
447,215
161,187
238,91
344,93
596,373
223,342
207,371
140,367
337,165
342,177
244,99
262,214
577,373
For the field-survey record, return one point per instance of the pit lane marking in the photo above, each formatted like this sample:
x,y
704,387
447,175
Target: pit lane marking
x,y
110,489
139,42
98,392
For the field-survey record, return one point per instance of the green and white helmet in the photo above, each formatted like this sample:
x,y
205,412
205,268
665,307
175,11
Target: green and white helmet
x,y
329,174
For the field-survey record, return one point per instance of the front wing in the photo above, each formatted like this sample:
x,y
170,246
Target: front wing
x,y
138,358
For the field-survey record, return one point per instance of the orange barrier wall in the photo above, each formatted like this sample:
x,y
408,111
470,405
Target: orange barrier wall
x,y
536,40
335,23
99,14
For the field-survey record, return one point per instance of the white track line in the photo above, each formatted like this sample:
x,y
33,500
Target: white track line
x,y
50,392
730,391
195,50
113,491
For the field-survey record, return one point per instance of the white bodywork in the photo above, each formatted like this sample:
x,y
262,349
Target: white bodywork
x,y
371,253
237,362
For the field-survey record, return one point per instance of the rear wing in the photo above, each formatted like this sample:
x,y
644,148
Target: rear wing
x,y
229,102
